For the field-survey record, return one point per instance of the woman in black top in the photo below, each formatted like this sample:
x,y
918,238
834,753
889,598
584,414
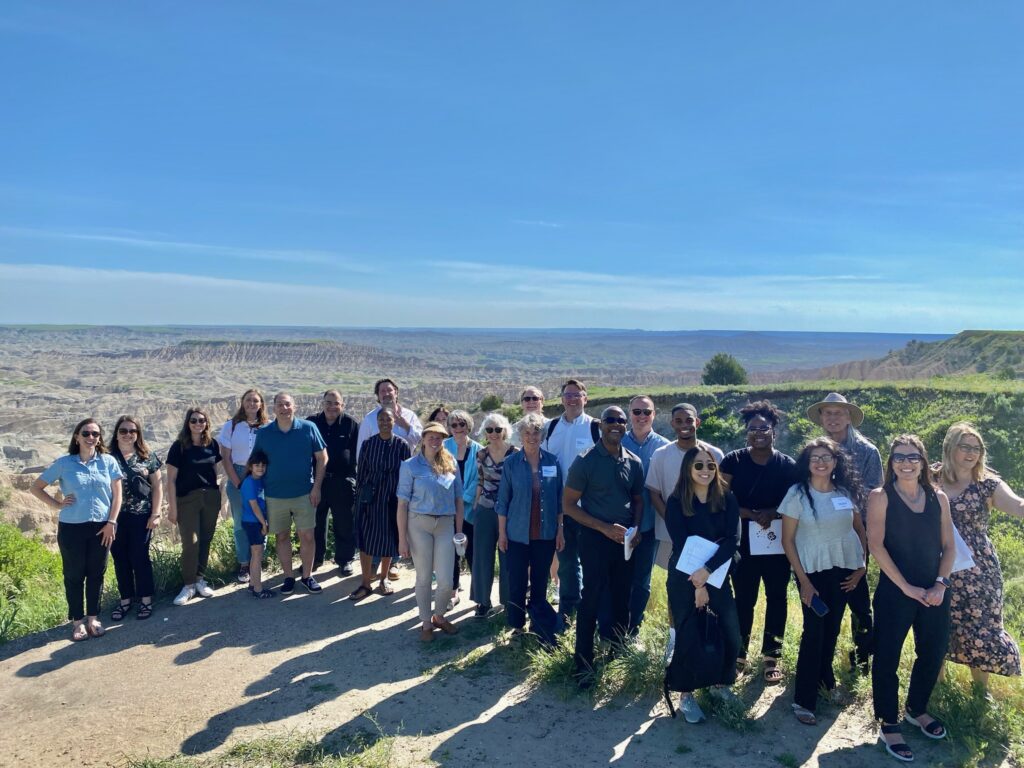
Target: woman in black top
x,y
701,505
910,535
760,476
195,503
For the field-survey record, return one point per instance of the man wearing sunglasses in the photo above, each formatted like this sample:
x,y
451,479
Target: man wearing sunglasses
x,y
840,419
604,494
567,437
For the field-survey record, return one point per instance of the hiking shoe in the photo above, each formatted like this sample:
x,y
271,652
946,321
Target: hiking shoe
x,y
691,710
310,584
482,612
243,574
203,589
186,594
263,594
347,569
288,585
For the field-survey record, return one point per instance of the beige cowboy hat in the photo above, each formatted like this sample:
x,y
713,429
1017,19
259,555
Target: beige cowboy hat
x,y
834,398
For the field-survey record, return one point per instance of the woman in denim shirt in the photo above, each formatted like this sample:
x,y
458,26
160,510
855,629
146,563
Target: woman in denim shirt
x,y
429,515
90,481
529,510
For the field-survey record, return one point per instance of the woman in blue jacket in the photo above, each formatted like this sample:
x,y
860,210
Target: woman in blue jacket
x,y
529,510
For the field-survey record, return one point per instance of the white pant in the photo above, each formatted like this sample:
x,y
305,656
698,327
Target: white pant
x,y
433,553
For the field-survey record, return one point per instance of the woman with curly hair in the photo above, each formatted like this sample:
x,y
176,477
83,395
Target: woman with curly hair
x,y
195,503
824,539
977,637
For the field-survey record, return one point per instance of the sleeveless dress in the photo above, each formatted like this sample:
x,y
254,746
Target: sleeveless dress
x,y
977,637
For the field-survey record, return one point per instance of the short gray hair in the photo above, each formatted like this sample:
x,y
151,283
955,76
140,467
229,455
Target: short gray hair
x,y
460,415
531,421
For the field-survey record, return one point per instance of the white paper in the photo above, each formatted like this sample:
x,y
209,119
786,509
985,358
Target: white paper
x,y
766,541
627,541
964,557
582,443
549,471
696,552
841,502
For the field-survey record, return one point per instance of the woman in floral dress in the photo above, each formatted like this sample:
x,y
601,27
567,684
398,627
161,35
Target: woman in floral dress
x,y
977,637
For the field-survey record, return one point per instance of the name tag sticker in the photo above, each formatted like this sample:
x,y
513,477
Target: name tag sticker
x,y
841,502
446,480
549,471
582,444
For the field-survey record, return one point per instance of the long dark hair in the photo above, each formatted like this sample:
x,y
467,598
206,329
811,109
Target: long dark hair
x,y
141,449
74,448
684,485
185,436
924,477
844,476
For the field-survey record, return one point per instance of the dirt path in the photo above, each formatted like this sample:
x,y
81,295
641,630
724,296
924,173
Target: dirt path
x,y
231,669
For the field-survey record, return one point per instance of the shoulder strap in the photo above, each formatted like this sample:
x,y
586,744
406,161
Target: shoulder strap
x,y
595,431
551,427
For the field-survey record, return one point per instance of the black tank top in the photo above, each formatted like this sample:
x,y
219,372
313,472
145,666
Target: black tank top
x,y
914,539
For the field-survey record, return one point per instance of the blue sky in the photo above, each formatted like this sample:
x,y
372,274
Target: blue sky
x,y
655,165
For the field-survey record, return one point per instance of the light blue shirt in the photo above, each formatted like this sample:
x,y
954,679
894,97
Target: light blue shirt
x,y
427,493
89,481
645,450
515,496
469,478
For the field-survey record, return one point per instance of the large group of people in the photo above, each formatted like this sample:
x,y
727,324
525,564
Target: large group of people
x,y
592,504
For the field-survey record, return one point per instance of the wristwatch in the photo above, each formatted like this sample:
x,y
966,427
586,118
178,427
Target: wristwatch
x,y
943,581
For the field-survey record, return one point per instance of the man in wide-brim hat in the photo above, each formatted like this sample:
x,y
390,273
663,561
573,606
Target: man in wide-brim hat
x,y
840,419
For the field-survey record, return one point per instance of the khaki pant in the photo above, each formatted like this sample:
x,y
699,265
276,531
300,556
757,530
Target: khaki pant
x,y
433,553
197,520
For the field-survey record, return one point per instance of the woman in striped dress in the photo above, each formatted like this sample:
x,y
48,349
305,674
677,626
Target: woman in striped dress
x,y
380,458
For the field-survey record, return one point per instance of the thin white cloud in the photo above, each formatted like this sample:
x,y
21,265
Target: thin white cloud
x,y
537,223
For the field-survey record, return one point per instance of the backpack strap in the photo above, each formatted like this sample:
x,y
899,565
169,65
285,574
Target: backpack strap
x,y
551,427
595,431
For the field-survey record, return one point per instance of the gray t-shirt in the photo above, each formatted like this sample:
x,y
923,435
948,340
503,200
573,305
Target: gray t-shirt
x,y
608,483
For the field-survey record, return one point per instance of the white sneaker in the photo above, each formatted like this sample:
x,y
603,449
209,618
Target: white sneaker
x,y
203,588
186,594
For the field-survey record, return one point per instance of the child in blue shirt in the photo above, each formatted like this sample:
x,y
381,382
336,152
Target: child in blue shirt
x,y
254,520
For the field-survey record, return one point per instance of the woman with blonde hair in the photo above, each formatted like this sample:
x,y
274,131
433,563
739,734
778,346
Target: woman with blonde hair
x,y
977,636
429,516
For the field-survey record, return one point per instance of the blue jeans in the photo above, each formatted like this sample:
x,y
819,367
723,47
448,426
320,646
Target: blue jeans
x,y
570,572
640,590
485,544
529,564
235,501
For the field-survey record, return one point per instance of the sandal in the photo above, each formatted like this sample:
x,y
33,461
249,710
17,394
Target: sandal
x,y
385,588
393,573
804,715
772,673
94,628
444,625
361,593
934,730
122,610
79,633
899,750
144,612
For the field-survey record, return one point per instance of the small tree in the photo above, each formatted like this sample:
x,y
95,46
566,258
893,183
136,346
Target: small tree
x,y
723,369
490,403
1006,373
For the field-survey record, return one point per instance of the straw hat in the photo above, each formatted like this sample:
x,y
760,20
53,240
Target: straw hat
x,y
834,398
433,426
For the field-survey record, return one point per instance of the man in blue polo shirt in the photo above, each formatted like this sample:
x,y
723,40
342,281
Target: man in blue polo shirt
x,y
297,460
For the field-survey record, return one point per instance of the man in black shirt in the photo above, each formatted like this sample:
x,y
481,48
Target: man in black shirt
x,y
340,432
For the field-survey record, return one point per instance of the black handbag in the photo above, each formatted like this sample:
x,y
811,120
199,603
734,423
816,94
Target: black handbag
x,y
698,656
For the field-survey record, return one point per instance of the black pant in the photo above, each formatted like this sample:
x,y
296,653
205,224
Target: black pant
x,y
861,625
130,550
818,641
748,574
85,560
337,496
530,563
605,569
467,528
681,601
895,615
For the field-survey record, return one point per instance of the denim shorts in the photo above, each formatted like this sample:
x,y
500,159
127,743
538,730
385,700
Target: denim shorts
x,y
254,532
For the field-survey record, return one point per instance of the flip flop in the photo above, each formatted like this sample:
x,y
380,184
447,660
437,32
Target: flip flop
x,y
361,593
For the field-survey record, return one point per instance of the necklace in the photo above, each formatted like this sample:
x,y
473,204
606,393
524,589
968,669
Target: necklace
x,y
911,501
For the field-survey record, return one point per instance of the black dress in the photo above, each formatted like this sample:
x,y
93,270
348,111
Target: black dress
x,y
376,499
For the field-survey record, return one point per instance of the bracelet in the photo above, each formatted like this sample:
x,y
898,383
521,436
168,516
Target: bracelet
x,y
113,522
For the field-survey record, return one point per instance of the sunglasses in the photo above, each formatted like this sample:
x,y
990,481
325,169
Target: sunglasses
x,y
760,430
968,448
613,420
826,459
699,465
642,411
913,458
127,431
493,430
458,425
88,433
197,420
530,398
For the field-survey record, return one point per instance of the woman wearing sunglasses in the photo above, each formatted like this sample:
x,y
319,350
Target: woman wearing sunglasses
x,y
90,483
977,637
910,535
140,514
490,463
195,503
464,449
824,539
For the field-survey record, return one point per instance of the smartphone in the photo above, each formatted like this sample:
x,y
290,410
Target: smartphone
x,y
818,606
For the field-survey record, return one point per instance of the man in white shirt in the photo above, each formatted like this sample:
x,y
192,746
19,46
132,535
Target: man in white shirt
x,y
407,423
567,437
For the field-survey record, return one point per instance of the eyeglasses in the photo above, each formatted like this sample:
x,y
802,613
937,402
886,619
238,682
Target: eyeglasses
x,y
613,420
197,420
88,433
458,425
968,448
493,430
827,458
531,398
761,430
572,395
913,458
699,465
642,411
127,431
